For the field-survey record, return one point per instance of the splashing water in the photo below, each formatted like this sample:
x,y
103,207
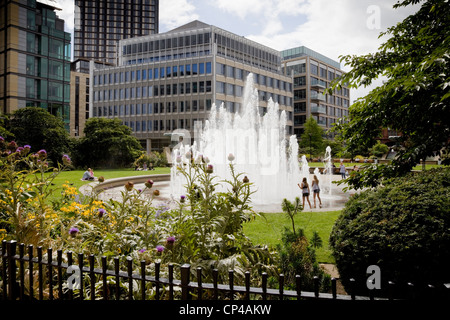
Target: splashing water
x,y
258,144
328,172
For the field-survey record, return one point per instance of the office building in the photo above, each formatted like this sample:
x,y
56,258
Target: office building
x,y
169,81
99,25
312,73
34,57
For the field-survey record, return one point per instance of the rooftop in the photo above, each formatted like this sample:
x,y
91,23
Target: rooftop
x,y
304,51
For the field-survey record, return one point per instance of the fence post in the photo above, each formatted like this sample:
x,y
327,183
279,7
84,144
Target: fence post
x,y
281,285
352,288
4,274
104,278
11,252
185,273
316,286
21,271
334,287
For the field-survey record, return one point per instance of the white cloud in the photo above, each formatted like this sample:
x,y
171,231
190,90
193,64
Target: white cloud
x,y
175,13
67,14
335,28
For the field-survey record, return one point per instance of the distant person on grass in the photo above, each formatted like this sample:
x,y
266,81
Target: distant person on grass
x,y
88,175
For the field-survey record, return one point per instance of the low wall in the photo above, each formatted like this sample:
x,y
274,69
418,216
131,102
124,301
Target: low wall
x,y
118,182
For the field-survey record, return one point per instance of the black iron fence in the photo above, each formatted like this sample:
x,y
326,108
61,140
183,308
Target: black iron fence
x,y
29,277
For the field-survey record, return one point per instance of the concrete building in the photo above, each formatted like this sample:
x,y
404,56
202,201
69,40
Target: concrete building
x,y
169,81
34,57
312,73
99,25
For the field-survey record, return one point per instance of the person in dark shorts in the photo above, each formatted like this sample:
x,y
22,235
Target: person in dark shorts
x,y
304,186
316,191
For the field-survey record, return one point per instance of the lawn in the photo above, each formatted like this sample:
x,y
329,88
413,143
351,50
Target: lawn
x,y
74,176
268,228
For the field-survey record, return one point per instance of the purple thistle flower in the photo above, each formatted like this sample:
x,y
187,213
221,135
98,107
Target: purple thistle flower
x,y
101,212
73,231
170,240
142,250
66,159
159,248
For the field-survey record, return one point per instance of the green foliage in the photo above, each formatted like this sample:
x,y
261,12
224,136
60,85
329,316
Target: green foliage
x,y
312,138
203,228
402,226
414,100
379,149
41,130
297,255
25,186
154,159
107,143
210,223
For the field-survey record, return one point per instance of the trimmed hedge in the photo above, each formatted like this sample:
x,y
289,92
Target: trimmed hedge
x,y
403,227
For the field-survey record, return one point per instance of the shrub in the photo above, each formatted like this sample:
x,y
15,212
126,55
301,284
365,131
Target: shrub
x,y
403,227
297,254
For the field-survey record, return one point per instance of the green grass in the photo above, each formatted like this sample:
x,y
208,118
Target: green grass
x,y
74,176
267,230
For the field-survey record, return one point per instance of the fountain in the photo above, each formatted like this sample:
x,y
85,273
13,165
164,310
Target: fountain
x,y
328,171
258,143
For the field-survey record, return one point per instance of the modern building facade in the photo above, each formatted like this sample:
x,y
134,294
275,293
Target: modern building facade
x,y
99,25
34,57
80,94
312,73
169,81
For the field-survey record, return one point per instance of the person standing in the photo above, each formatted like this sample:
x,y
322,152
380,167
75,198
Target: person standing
x,y
304,186
342,170
316,191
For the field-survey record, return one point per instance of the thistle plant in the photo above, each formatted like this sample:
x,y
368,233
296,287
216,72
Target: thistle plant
x,y
25,180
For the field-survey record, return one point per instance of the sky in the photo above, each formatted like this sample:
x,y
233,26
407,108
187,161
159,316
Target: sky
x,y
331,27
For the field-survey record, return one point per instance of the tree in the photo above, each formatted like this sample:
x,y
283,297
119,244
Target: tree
x,y
379,149
41,130
414,99
107,142
312,139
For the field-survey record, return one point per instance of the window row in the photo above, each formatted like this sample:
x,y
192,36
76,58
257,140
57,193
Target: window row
x,y
153,91
153,73
169,57
142,126
240,74
153,108
163,44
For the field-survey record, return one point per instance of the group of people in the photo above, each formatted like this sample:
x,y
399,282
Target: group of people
x,y
88,175
304,186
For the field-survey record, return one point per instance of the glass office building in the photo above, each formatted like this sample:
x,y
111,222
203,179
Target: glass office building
x,y
34,57
169,81
312,73
99,25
